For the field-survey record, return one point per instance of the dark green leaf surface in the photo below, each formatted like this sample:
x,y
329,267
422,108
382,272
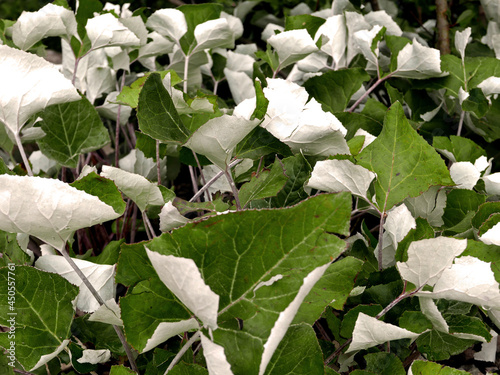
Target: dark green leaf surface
x,y
384,364
439,346
10,250
157,115
71,129
260,143
38,294
414,321
459,203
463,149
404,162
304,21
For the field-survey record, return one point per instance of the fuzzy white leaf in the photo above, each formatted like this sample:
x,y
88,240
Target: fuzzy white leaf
x,y
218,137
234,23
51,20
183,278
490,86
370,331
364,40
94,356
41,163
292,46
48,209
106,30
158,45
431,312
48,357
239,62
168,22
269,31
481,163
468,280
286,316
429,258
492,183
217,363
488,350
100,81
429,205
108,313
381,18
418,62
166,330
137,26
334,41
101,276
492,235
492,9
213,34
29,84
136,187
170,218
240,84
340,175
464,174
461,41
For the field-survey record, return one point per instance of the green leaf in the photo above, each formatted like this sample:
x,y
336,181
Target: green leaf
x,y
121,370
439,346
157,115
422,231
262,102
133,265
109,254
270,57
463,149
102,335
459,203
304,21
266,184
86,10
184,368
405,164
485,211
431,368
42,325
11,251
185,207
76,354
260,143
335,88
196,14
488,126
395,45
71,129
414,321
148,146
103,189
297,353
476,102
468,324
384,364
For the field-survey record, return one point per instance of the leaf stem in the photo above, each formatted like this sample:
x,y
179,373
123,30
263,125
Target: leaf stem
x,y
186,71
369,91
460,123
158,166
380,240
202,176
227,172
23,154
181,352
194,183
118,126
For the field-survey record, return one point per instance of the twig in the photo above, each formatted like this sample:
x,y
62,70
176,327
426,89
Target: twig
x,y
227,172
23,154
443,27
460,123
117,131
158,166
147,224
194,182
202,176
181,352
369,91
212,180
380,240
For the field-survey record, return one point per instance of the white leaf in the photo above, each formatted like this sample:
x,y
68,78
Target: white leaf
x,y
29,85
218,137
334,41
364,40
340,175
168,22
429,258
492,235
492,183
94,356
370,331
137,26
292,46
110,109
170,218
221,184
48,357
239,62
490,86
398,223
369,138
240,84
48,209
418,62
464,174
217,363
101,276
234,23
429,205
468,280
183,278
431,312
166,330
481,163
136,187
51,20
286,316
488,352
269,31
100,80
462,95
108,313
41,163
158,45
214,33
461,41
492,9
106,30
381,18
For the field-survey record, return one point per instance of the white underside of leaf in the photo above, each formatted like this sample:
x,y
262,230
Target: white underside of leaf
x,y
240,84
492,183
292,46
168,22
183,278
370,331
429,205
94,356
217,363
166,330
488,350
431,312
492,235
170,218
108,313
418,62
101,276
464,174
48,357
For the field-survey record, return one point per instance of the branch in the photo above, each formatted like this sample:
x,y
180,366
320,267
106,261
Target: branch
x,y
443,27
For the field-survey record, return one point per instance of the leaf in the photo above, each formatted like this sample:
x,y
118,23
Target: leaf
x,y
108,313
12,253
304,21
169,22
195,15
183,368
350,318
418,62
459,203
39,332
384,364
440,346
29,84
170,218
48,209
267,184
432,368
218,137
335,88
136,187
213,34
460,148
370,332
465,175
341,175
121,370
217,363
292,46
423,267
101,276
51,20
259,142
283,239
157,115
106,30
404,163
461,41
71,129
414,321
182,277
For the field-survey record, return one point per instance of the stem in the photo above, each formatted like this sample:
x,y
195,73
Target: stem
x,y
77,61
101,302
134,224
186,71
380,240
460,123
158,166
227,172
443,27
183,350
149,228
207,196
117,131
22,372
194,182
337,352
23,154
369,91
